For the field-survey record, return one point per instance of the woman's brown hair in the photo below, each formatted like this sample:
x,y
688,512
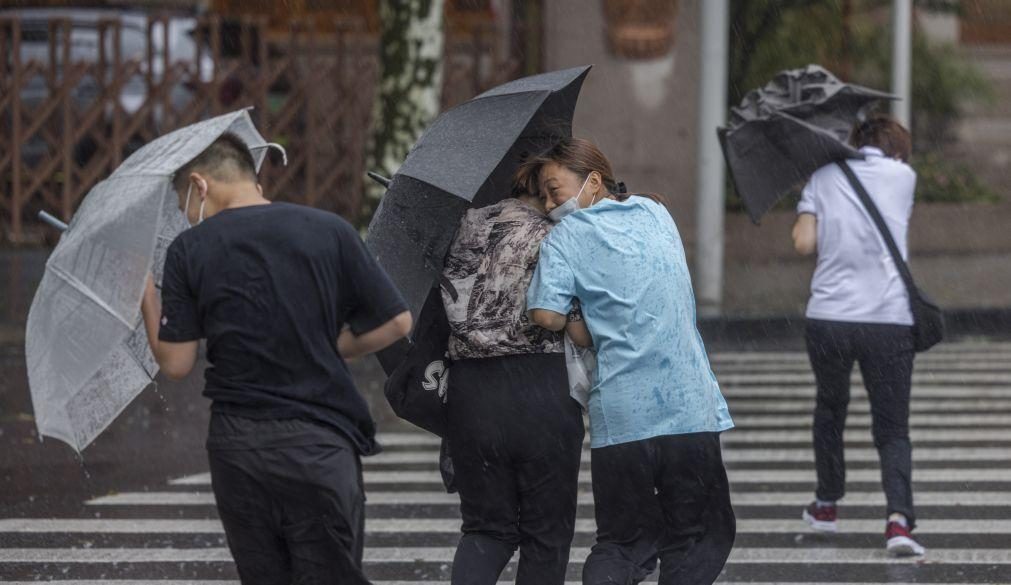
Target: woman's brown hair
x,y
884,132
581,157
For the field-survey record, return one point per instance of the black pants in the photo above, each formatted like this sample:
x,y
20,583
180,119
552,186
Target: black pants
x,y
290,497
663,498
885,353
516,439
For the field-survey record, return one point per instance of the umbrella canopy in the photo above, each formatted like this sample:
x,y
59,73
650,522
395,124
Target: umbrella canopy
x,y
85,343
467,157
785,131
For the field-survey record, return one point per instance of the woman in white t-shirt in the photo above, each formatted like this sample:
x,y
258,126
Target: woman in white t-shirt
x,y
859,312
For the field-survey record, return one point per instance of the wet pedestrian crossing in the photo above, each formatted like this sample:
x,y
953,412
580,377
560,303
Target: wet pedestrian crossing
x,y
961,421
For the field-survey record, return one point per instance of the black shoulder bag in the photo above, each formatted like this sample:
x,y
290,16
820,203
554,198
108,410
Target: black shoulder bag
x,y
928,320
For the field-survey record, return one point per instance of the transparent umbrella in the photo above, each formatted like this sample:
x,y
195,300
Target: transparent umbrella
x,y
85,343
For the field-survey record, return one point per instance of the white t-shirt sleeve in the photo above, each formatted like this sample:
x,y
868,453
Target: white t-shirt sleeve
x,y
912,194
808,197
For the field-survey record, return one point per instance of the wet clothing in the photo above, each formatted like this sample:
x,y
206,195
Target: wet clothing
x,y
289,494
885,353
625,263
514,434
855,279
516,439
665,498
270,287
660,489
859,312
489,267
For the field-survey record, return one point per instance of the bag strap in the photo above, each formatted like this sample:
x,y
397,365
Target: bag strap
x,y
886,234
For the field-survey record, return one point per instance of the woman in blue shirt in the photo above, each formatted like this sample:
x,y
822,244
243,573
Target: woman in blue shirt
x,y
660,488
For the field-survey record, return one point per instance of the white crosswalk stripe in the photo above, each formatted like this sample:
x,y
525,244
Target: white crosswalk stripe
x,y
377,480
227,582
961,430
445,554
441,525
433,497
393,459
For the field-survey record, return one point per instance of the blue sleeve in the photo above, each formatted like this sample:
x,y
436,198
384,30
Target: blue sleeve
x,y
553,285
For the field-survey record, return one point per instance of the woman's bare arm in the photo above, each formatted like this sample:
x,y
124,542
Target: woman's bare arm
x,y
805,234
579,333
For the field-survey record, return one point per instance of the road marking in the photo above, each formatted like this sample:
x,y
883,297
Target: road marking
x,y
588,526
916,406
445,554
804,454
226,582
739,438
761,392
452,525
864,420
997,352
109,526
966,498
921,394
927,378
804,366
960,475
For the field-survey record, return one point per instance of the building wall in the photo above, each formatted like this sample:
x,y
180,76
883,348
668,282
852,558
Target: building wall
x,y
641,113
984,133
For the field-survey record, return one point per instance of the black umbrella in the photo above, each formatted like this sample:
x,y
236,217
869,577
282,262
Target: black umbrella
x,y
466,158
793,126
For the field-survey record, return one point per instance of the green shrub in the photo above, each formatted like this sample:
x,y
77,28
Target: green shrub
x,y
940,180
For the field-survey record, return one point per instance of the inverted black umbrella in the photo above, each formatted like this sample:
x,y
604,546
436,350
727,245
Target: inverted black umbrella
x,y
466,158
783,132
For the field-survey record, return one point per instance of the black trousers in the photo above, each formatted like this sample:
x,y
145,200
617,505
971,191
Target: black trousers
x,y
516,439
885,353
290,497
663,498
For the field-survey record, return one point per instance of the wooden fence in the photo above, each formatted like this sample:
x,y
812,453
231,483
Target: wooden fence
x,y
66,124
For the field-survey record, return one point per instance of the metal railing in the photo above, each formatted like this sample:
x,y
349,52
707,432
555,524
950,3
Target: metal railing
x,y
65,124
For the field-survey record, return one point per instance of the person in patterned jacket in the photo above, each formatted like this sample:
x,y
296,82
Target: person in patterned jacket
x,y
515,434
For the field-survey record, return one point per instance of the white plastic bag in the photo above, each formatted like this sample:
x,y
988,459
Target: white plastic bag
x,y
581,363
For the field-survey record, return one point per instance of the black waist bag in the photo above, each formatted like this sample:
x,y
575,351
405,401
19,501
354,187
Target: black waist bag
x,y
928,319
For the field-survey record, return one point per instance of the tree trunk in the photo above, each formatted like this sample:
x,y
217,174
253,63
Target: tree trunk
x,y
410,86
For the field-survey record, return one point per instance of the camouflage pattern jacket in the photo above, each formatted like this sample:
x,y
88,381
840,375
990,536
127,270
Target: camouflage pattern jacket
x,y
489,268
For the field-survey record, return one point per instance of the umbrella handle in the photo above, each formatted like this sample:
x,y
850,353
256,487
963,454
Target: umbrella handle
x,y
52,221
379,179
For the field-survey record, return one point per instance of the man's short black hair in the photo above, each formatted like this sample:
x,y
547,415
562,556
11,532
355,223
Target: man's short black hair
x,y
226,159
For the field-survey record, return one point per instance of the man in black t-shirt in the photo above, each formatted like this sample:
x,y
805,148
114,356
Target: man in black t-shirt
x,y
270,286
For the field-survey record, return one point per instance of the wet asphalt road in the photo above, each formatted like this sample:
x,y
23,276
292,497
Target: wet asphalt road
x,y
136,504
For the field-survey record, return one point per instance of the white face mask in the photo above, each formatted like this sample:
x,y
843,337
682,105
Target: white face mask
x,y
571,206
186,206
